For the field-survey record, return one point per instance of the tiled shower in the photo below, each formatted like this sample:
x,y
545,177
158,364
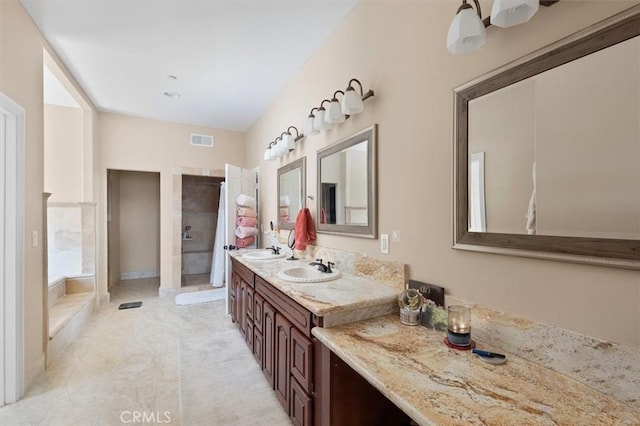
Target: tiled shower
x,y
200,199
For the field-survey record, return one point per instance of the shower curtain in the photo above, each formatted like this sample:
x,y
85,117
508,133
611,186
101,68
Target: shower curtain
x,y
217,261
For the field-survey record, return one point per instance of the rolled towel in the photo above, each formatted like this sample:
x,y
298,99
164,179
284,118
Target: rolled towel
x,y
285,201
284,211
284,219
246,221
247,212
246,201
245,242
246,231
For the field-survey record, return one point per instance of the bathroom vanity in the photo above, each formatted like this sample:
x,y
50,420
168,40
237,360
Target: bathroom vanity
x,y
276,318
335,353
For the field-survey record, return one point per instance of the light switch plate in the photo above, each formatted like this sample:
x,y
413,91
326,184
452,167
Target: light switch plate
x,y
384,243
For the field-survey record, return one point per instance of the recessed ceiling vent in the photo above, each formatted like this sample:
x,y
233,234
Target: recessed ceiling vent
x,y
202,140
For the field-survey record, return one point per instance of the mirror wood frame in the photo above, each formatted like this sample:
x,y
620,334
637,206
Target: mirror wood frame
x,y
599,251
302,164
369,134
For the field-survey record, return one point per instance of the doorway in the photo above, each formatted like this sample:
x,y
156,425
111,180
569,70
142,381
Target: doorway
x,y
12,118
200,202
133,226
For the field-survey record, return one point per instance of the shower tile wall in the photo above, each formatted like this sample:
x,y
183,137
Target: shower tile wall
x,y
200,198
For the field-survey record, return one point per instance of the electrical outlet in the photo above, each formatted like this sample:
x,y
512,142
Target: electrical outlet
x,y
395,236
34,238
384,243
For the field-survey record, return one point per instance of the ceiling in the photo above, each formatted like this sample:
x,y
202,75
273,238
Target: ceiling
x,y
230,58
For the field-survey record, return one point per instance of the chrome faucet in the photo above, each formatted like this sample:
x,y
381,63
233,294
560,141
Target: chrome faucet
x,y
322,267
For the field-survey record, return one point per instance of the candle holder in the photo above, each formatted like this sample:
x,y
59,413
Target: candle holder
x,y
459,328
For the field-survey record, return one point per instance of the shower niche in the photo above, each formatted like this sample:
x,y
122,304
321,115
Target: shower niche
x,y
200,200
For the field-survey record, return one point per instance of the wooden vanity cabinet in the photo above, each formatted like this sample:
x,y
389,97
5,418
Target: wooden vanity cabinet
x,y
278,331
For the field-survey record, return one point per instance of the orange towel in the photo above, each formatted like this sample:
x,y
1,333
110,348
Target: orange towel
x,y
304,230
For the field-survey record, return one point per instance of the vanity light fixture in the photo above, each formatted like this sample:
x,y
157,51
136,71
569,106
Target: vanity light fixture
x,y
289,140
270,152
507,13
283,144
334,113
319,122
352,103
309,128
467,30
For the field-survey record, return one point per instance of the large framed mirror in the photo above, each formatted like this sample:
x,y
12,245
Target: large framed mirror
x,y
347,186
547,151
292,182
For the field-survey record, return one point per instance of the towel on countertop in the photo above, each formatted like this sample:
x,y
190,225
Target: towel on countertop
x,y
245,242
285,201
247,212
246,201
246,231
284,219
304,229
246,221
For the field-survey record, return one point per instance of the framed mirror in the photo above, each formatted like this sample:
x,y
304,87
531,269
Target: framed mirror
x,y
547,151
347,186
292,180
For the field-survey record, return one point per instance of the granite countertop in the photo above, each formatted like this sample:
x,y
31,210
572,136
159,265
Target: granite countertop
x,y
434,384
346,299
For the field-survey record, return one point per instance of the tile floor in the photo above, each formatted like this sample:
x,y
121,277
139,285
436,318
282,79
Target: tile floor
x,y
158,364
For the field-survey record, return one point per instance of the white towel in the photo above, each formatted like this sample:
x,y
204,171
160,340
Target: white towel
x,y
246,231
285,201
246,201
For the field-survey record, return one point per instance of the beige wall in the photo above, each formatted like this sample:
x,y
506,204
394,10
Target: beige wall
x,y
21,60
63,154
398,49
139,205
137,144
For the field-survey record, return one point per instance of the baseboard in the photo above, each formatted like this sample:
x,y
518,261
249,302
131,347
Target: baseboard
x,y
136,275
33,371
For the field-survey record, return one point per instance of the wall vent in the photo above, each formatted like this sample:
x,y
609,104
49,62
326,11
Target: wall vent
x,y
202,140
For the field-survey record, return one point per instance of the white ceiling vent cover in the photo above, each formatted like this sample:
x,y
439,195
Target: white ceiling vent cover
x,y
202,140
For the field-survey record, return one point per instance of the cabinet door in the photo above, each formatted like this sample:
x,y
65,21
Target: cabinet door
x,y
268,332
248,303
300,405
283,362
301,359
242,317
258,314
258,345
235,287
248,334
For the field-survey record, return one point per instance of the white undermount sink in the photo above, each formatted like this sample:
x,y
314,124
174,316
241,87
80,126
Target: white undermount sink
x,y
262,255
307,274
